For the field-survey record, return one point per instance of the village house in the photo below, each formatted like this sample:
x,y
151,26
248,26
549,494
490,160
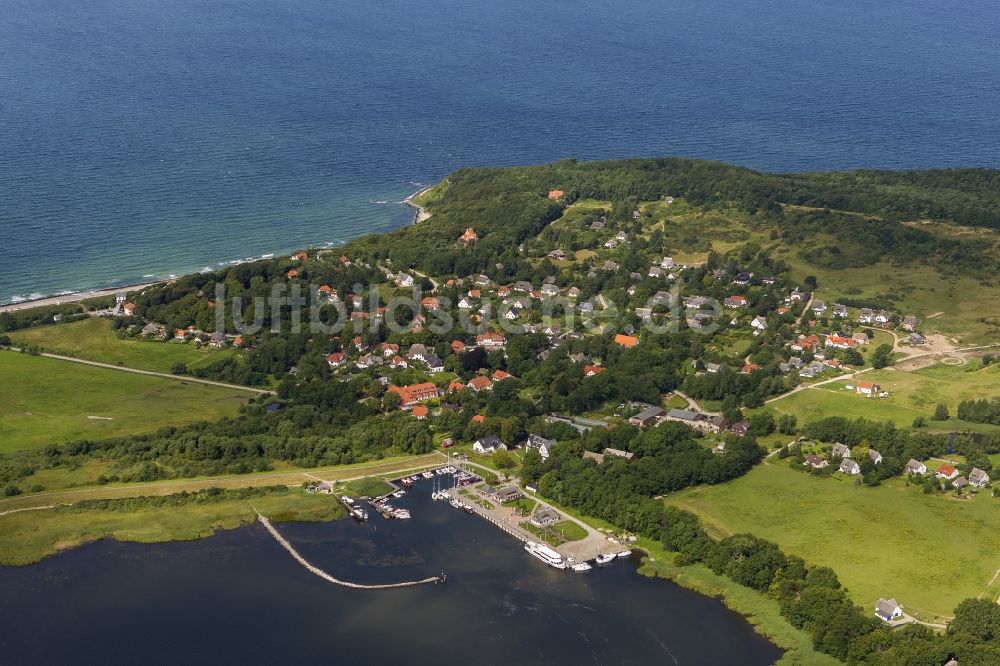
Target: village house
x,y
719,449
860,338
946,472
795,296
627,341
398,362
910,322
841,451
557,254
916,339
500,375
742,278
866,316
610,265
883,317
540,444
667,263
414,393
336,359
488,444
979,478
491,340
420,412
818,308
404,280
655,272
806,343
839,311
915,467
888,610
556,195
816,462
868,389
647,417
545,517
758,324
550,290
848,466
469,236
875,456
735,301
573,292
840,342
592,370
480,383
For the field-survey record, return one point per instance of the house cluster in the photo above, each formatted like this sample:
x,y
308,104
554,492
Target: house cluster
x,y
492,443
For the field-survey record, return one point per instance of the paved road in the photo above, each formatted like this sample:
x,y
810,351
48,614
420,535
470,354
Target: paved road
x,y
71,298
165,375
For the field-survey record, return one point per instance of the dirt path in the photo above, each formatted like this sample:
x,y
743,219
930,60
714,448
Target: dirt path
x,y
164,375
44,500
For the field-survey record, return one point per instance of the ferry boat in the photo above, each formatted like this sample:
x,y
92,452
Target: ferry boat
x,y
604,559
581,567
545,554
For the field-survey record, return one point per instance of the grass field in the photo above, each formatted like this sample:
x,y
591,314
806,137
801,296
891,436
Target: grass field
x,y
928,551
45,400
95,340
370,486
912,394
28,536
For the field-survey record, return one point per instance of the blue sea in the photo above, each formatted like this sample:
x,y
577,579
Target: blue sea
x,y
143,138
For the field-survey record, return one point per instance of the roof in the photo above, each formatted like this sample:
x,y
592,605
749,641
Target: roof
x,y
650,413
887,606
420,410
556,194
684,414
480,382
628,341
946,469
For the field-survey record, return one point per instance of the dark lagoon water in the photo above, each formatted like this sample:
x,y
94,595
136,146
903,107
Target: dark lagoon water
x,y
239,597
140,139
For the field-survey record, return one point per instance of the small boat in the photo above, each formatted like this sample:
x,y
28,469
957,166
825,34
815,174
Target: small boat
x,y
428,475
468,508
624,553
581,567
545,554
604,559
402,514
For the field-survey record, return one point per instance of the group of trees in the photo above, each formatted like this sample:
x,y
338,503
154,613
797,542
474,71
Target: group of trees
x,y
980,411
810,597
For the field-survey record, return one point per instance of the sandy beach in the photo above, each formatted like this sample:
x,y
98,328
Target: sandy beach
x,y
72,298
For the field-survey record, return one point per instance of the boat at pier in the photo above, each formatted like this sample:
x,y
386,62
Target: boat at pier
x,y
545,554
604,559
624,553
580,567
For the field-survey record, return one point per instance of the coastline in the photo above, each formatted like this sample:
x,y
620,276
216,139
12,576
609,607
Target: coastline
x,y
73,298
421,214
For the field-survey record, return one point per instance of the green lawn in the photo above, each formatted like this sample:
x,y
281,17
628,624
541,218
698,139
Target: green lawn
x,y
95,340
928,551
370,486
912,394
45,400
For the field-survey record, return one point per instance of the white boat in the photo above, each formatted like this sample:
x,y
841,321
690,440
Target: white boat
x,y
545,554
624,553
455,503
604,559
581,567
428,475
402,514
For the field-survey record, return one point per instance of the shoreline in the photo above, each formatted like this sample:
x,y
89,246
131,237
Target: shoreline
x,y
420,214
74,298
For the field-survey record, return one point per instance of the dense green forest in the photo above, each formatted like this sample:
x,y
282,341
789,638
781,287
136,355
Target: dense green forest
x,y
508,206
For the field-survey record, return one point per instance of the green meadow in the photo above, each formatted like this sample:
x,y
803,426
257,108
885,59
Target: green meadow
x,y
928,551
95,340
45,401
28,536
911,394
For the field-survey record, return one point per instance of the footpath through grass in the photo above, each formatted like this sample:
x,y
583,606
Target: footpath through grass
x,y
45,401
928,551
94,339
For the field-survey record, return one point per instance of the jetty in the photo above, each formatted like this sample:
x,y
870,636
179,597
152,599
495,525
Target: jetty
x,y
336,581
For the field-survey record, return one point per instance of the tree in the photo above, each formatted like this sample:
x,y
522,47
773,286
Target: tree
x,y
788,424
179,368
920,422
941,412
391,400
881,356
